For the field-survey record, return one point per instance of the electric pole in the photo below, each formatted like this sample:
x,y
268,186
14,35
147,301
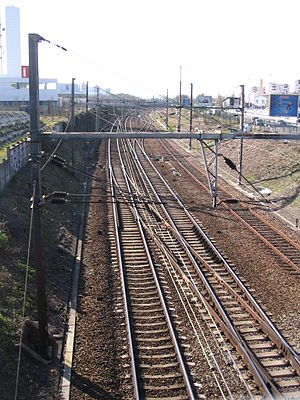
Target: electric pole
x,y
167,112
191,115
242,120
72,120
87,105
36,181
97,111
180,100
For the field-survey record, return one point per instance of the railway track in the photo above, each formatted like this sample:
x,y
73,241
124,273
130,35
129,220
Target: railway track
x,y
158,367
211,295
277,241
258,335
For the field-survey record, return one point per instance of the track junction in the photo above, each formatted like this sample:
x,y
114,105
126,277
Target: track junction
x,y
190,328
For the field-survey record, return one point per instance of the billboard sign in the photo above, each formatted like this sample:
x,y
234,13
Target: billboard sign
x,y
186,102
283,105
204,101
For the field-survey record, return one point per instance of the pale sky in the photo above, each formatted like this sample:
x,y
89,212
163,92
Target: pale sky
x,y
137,46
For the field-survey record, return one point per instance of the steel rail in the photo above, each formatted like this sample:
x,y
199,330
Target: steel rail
x,y
288,350
160,293
251,299
284,257
258,374
122,277
157,241
238,281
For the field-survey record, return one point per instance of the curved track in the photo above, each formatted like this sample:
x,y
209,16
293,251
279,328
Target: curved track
x,y
281,244
158,367
155,229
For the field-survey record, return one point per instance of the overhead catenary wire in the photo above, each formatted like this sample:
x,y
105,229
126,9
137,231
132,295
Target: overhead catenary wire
x,y
232,166
24,295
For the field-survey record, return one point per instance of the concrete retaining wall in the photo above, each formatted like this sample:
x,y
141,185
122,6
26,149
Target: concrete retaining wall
x,y
17,157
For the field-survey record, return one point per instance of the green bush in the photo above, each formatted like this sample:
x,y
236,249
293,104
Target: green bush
x,y
3,240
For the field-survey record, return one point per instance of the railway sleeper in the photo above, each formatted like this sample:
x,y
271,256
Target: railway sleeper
x,y
283,372
153,340
268,354
262,346
151,348
157,356
287,383
173,375
135,303
147,310
164,388
292,395
152,332
160,365
277,363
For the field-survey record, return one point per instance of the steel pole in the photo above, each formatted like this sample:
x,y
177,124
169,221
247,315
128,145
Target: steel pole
x,y
191,115
242,121
97,112
180,101
215,188
87,105
72,120
167,112
36,180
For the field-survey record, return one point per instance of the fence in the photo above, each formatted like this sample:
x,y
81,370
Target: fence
x,y
17,157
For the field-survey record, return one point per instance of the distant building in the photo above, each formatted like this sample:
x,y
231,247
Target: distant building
x,y
232,102
14,83
258,90
17,90
297,86
278,88
11,33
260,101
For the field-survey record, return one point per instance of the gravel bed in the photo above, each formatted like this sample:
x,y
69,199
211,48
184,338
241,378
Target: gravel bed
x,y
279,294
97,369
101,363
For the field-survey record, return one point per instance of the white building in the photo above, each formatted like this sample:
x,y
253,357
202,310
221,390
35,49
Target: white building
x,y
258,97
17,90
278,88
14,85
12,45
297,86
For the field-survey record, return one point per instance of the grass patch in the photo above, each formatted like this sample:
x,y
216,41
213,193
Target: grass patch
x,y
251,178
3,240
6,325
3,150
50,122
31,270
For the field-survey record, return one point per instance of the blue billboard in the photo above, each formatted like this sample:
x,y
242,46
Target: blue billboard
x,y
186,102
283,105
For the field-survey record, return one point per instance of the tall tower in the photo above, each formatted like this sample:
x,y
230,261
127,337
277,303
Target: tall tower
x,y
261,87
13,47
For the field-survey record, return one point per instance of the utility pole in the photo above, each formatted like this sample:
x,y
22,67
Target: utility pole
x,y
36,180
167,112
242,121
97,112
191,115
180,100
72,120
87,105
